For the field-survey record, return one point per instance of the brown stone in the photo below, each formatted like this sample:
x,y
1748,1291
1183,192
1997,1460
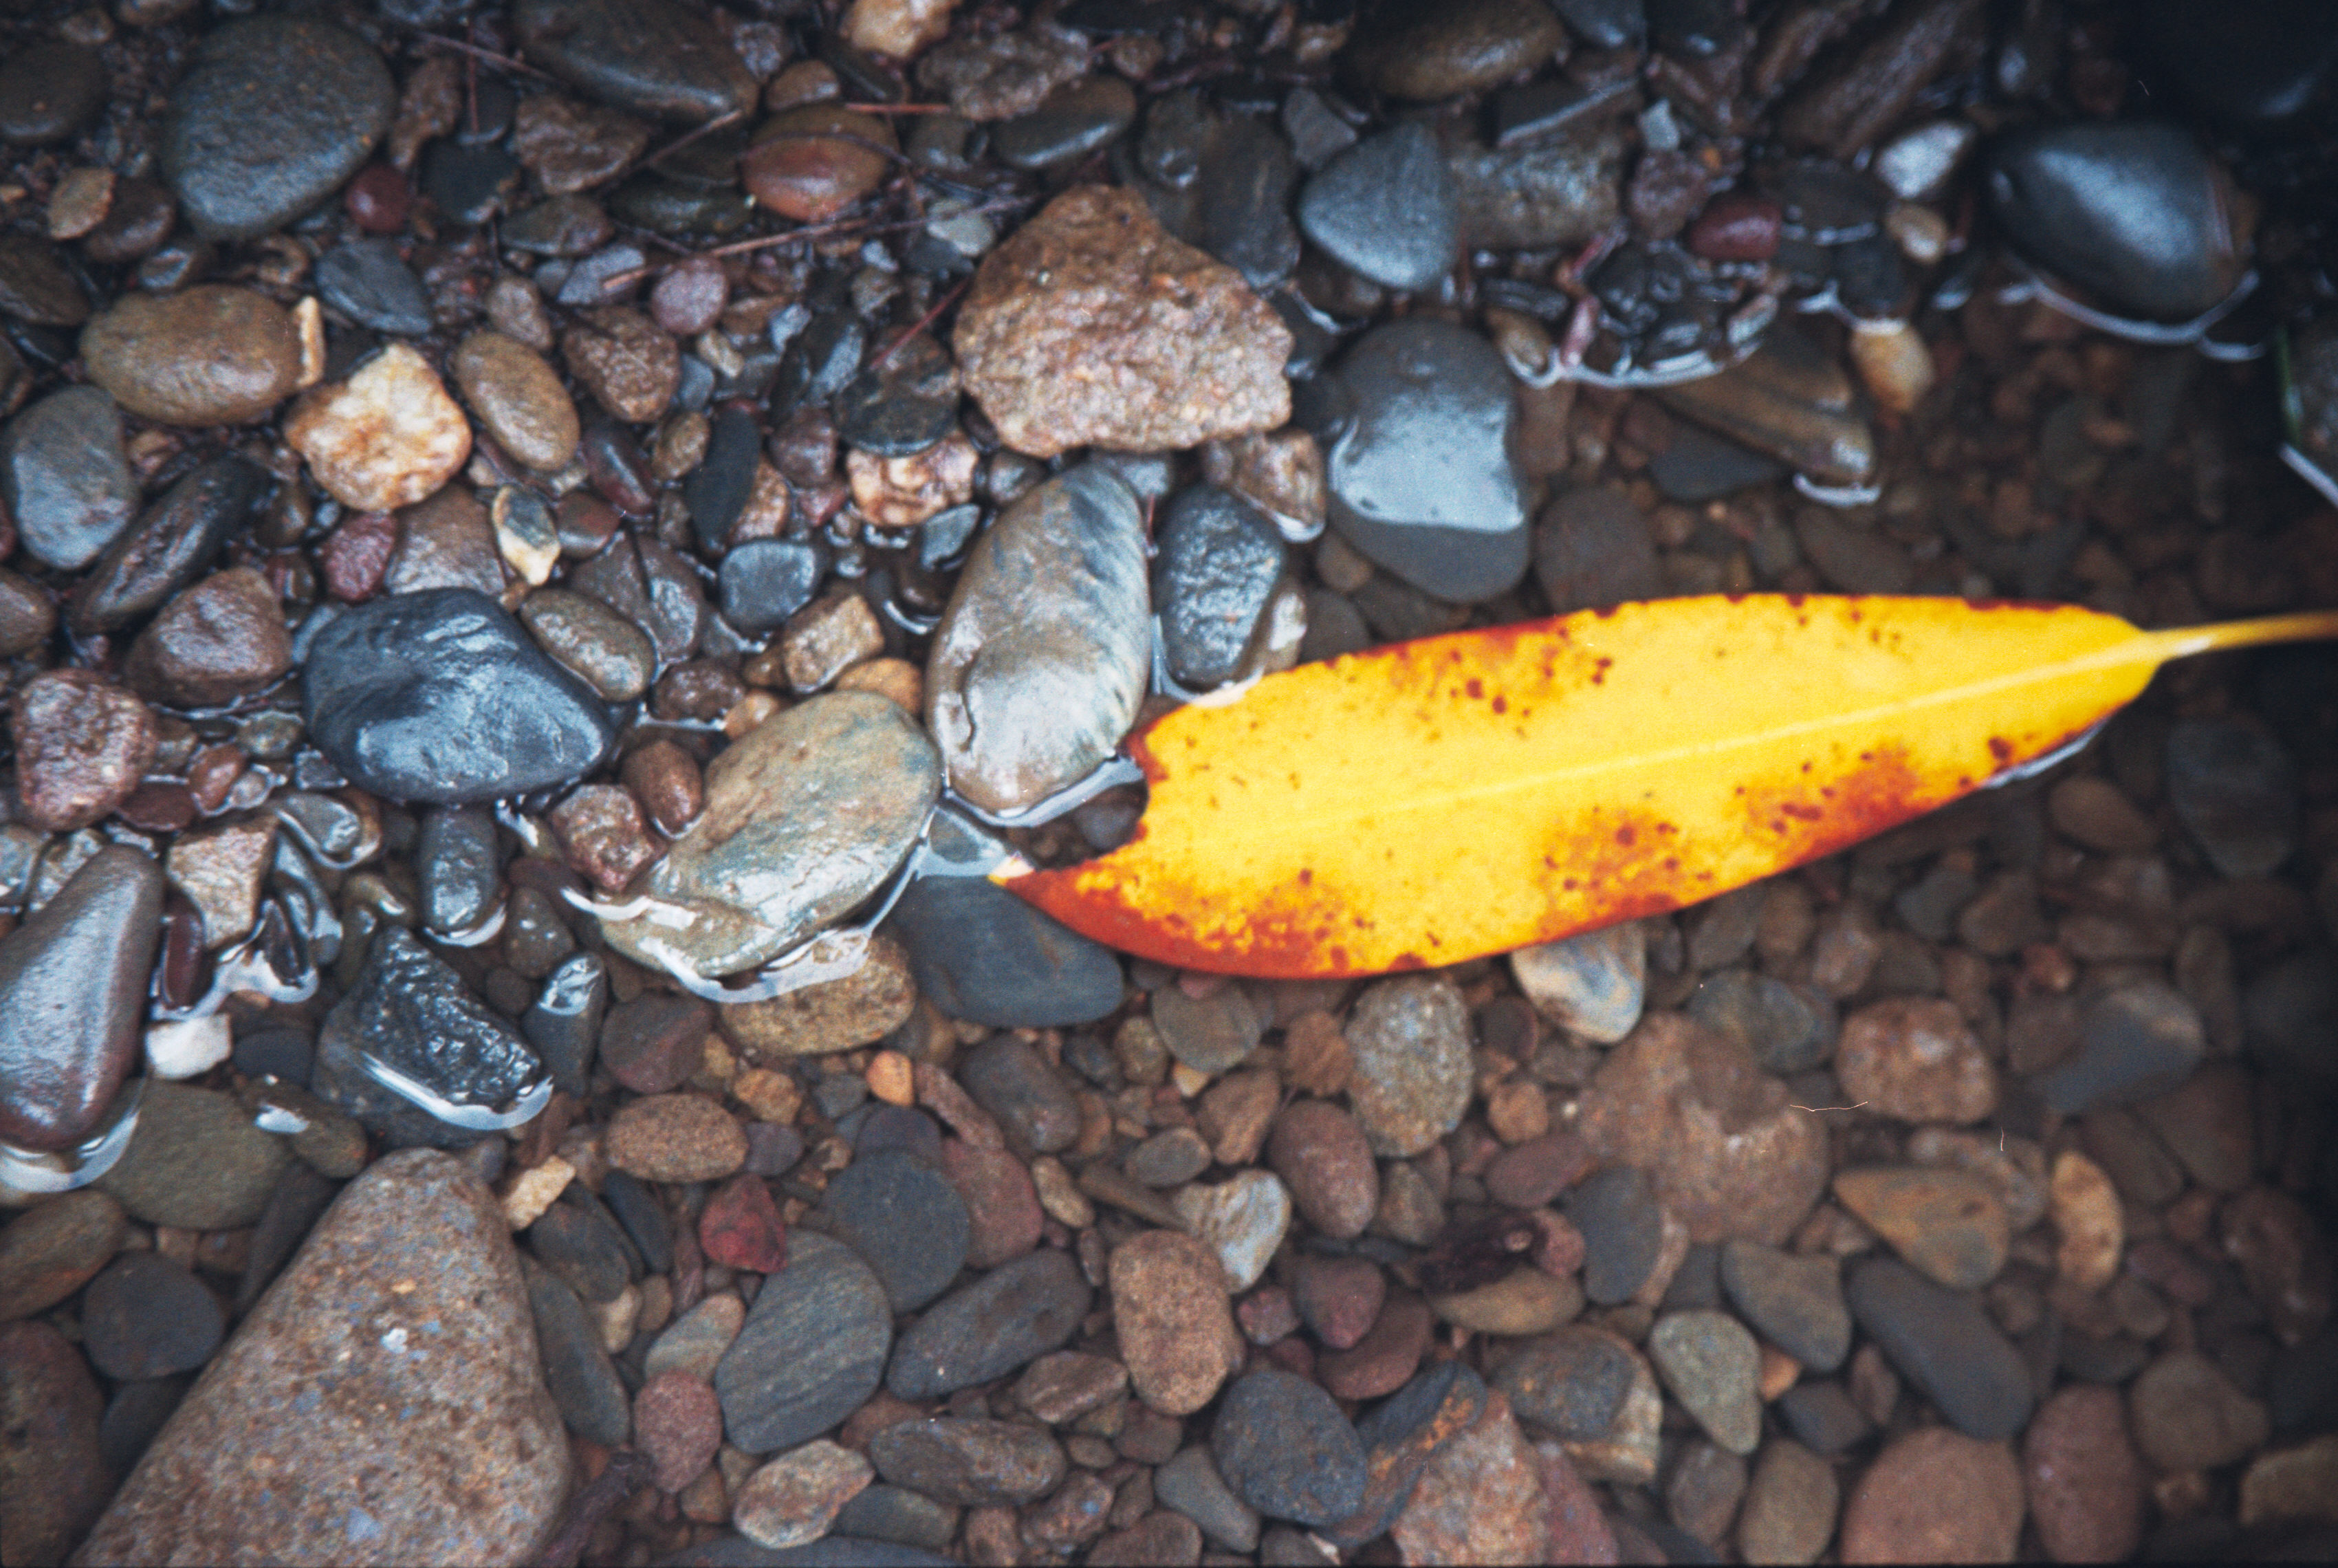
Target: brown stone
x,y
836,1015
208,355
213,642
518,396
384,1390
1321,1154
1916,1059
81,746
51,1479
1935,1496
1947,1224
570,146
446,542
827,637
667,782
1727,1152
222,869
625,361
2086,1483
1480,1499
1001,1202
678,1423
676,1137
1177,1332
1091,326
600,827
810,162
54,1248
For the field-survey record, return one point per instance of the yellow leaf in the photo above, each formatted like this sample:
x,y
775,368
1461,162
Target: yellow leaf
x,y
1436,800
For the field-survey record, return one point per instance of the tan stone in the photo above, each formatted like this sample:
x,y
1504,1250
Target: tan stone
x,y
222,869
2089,1220
385,437
902,492
518,396
838,1015
1947,1224
1178,1333
897,27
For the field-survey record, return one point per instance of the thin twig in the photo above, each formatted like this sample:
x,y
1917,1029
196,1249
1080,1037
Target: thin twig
x,y
928,320
489,55
679,142
1817,1107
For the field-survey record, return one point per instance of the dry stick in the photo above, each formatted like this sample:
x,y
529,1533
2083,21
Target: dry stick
x,y
506,61
811,231
922,323
628,1472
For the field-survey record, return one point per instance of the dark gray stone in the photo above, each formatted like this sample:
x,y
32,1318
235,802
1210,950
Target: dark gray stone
x,y
1416,426
2235,790
1593,549
2135,209
811,1350
1943,1341
895,1209
66,478
1789,1028
411,1011
635,1207
461,867
1622,1230
1008,1319
1215,573
48,91
1074,121
1386,209
888,1513
1285,1449
1010,1079
196,1161
1190,1484
73,987
367,281
650,56
583,1384
716,491
564,1025
982,954
1823,1417
172,541
1222,183
2134,1041
275,112
765,581
1794,1302
1572,1384
583,1244
441,696
146,1316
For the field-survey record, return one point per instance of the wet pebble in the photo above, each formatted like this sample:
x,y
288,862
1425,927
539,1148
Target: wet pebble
x,y
518,398
440,697
1009,1318
388,437
148,1316
1426,53
75,976
1216,567
2186,1414
172,540
1949,1225
622,358
676,1137
56,1247
662,60
1042,657
1711,1365
810,1353
244,157
65,477
83,744
1415,430
207,355
219,640
1385,209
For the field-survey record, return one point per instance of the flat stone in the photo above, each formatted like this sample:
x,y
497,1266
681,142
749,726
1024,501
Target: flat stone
x,y
1244,1220
1948,1224
805,817
196,1161
857,1009
1326,1160
1042,657
1386,209
148,1316
695,1343
1711,1365
1795,1302
1945,1344
981,1332
972,1463
1285,1449
243,156
1215,576
901,1214
2187,1415
791,1501
65,477
659,58
1479,1498
73,976
1190,1485
440,696
1549,191
810,1353
56,1247
406,1297
1415,430
2135,1041
172,540
52,1476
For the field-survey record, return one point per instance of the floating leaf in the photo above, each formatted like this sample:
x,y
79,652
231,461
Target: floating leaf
x,y
1440,799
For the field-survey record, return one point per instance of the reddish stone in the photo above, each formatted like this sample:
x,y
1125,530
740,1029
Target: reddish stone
x,y
1559,1246
742,1229
51,1480
2087,1486
158,808
690,298
355,556
1266,1315
600,827
1382,1360
1000,1201
678,1421
1736,227
212,773
1578,1527
378,198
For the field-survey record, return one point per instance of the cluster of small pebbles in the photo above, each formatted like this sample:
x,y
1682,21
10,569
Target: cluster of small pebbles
x,y
513,513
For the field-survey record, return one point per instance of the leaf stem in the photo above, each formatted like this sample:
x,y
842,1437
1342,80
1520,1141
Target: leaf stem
x,y
2303,626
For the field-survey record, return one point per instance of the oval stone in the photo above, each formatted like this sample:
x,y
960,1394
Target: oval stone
x,y
1042,657
206,356
805,816
518,396
440,696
